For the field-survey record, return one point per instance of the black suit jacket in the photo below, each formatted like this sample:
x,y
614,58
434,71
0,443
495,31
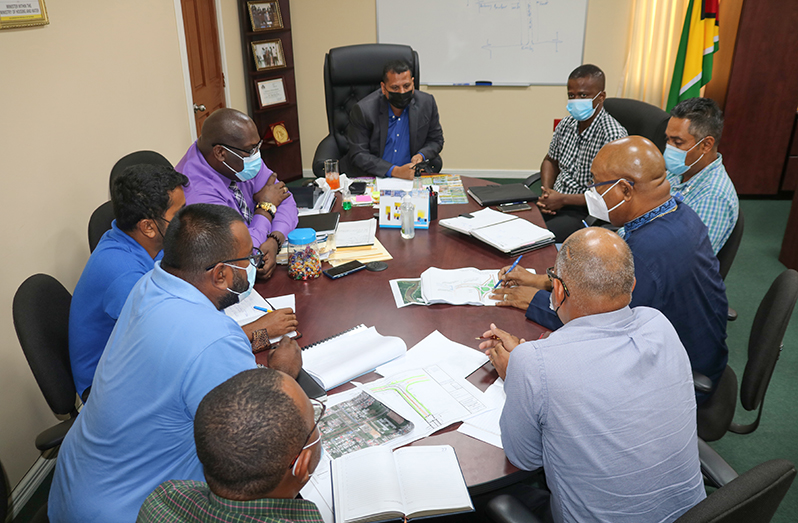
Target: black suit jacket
x,y
368,131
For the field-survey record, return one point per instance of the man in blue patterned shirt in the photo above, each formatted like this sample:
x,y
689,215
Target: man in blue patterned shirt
x,y
565,171
695,168
258,440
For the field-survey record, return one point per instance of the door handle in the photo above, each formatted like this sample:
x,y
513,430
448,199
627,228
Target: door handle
x,y
199,108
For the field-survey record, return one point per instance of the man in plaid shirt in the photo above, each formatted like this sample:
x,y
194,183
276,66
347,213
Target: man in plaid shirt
x,y
565,171
695,168
258,440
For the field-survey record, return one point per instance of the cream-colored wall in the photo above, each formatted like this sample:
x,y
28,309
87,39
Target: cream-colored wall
x,y
102,80
233,55
485,127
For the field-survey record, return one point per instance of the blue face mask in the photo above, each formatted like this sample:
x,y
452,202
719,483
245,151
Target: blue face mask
x,y
581,109
251,274
252,166
675,158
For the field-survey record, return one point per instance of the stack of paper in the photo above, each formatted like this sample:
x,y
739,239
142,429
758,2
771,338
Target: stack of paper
x,y
376,252
356,234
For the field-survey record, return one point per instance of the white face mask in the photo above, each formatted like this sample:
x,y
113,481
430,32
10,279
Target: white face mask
x,y
596,205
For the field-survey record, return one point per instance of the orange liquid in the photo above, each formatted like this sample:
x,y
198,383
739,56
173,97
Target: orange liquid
x,y
333,182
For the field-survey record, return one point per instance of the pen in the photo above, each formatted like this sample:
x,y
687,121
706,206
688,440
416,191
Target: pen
x,y
262,309
585,223
494,337
511,270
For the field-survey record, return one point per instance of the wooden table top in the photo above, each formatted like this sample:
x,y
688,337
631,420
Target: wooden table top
x,y
326,307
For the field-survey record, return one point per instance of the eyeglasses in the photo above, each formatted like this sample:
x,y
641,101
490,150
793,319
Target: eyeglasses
x,y
319,409
552,276
256,259
248,153
599,184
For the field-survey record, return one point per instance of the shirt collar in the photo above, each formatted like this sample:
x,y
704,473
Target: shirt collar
x,y
206,165
605,318
698,178
179,287
587,133
282,509
669,206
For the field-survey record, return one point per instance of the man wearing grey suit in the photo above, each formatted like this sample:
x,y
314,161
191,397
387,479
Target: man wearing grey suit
x,y
394,128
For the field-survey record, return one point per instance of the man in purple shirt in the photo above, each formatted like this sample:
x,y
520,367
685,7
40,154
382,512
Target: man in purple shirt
x,y
224,168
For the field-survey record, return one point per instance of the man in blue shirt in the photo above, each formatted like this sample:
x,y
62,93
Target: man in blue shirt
x,y
394,128
676,270
605,404
145,198
170,347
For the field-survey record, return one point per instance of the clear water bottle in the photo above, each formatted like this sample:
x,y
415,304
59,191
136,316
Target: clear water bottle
x,y
408,214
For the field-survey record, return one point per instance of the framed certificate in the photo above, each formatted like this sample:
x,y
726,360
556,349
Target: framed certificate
x,y
271,92
16,13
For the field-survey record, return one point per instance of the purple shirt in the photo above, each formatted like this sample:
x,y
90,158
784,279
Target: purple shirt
x,y
208,186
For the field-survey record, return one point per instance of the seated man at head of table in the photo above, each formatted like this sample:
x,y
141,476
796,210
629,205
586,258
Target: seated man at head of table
x,y
676,270
170,347
258,442
605,404
225,168
145,198
565,171
393,128
695,168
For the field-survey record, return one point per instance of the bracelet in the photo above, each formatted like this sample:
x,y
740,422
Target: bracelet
x,y
279,243
260,341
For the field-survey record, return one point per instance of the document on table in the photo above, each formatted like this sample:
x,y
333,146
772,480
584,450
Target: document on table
x,y
485,426
455,359
394,184
355,234
245,312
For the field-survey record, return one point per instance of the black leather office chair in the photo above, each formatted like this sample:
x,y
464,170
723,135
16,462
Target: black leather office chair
x,y
753,497
40,516
41,319
727,253
350,74
640,118
99,223
764,346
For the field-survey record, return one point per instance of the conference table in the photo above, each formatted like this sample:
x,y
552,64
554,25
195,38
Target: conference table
x,y
326,307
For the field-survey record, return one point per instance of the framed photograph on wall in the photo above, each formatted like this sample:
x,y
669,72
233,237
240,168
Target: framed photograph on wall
x,y
268,54
22,14
265,16
271,92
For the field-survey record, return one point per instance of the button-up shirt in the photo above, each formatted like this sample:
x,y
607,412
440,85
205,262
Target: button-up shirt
x,y
170,347
397,145
606,406
574,151
711,194
193,502
208,186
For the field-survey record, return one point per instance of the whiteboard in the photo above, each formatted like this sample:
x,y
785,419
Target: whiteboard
x,y
518,42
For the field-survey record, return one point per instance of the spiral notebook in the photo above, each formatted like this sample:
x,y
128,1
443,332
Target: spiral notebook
x,y
349,354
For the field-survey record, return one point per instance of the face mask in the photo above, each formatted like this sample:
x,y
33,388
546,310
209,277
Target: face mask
x,y
581,109
400,100
251,273
251,166
675,158
596,205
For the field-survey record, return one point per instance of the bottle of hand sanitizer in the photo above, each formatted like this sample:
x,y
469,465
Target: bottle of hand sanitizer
x,y
408,214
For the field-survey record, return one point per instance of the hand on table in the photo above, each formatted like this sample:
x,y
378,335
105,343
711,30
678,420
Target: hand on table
x,y
405,171
417,158
521,276
519,297
498,351
286,357
277,323
269,250
272,192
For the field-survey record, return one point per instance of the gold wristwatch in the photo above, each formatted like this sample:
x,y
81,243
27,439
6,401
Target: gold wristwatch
x,y
268,207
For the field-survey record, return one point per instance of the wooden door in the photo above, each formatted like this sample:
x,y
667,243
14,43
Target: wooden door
x,y
204,58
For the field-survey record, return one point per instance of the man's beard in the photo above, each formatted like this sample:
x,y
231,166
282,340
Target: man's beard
x,y
240,284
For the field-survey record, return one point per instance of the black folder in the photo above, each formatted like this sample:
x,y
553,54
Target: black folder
x,y
487,195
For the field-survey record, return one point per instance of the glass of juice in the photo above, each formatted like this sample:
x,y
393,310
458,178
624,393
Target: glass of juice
x,y
331,173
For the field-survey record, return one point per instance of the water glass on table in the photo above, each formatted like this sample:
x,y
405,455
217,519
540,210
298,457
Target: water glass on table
x,y
331,174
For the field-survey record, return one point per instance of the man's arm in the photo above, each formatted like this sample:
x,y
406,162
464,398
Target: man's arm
x,y
552,200
522,437
434,141
360,156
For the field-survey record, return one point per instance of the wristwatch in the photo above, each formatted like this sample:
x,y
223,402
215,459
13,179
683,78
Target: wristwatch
x,y
268,207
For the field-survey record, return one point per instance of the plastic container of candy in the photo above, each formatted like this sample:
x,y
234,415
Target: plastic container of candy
x,y
303,255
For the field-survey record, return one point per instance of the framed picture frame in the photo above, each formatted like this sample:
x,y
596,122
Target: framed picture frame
x,y
271,92
268,54
265,16
15,14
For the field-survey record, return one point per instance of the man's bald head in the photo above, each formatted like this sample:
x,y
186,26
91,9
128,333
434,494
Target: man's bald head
x,y
228,127
640,167
597,267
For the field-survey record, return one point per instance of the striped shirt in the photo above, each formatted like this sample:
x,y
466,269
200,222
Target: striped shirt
x,y
192,501
574,152
711,194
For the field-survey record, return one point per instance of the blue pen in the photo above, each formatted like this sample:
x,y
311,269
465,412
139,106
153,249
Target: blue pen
x,y
511,270
262,309
585,223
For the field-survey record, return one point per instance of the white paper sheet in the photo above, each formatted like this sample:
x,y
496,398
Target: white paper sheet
x,y
436,349
356,233
485,426
467,286
244,312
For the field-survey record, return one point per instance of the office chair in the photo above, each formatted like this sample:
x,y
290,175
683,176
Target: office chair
x,y
753,497
350,74
41,319
102,217
764,346
39,517
639,118
727,253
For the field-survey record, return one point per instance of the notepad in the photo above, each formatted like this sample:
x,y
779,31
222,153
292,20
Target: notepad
x,y
509,234
338,359
244,312
356,234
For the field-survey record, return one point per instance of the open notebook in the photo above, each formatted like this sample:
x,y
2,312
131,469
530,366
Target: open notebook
x,y
509,234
